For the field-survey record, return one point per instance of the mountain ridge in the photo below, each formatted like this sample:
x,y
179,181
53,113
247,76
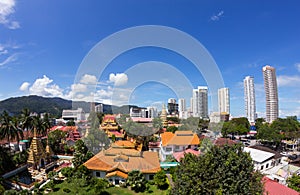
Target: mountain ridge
x,y
53,105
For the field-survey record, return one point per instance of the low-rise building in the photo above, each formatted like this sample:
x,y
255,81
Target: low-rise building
x,y
116,162
263,158
177,142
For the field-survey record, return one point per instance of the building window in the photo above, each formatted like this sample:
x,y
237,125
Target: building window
x,y
262,167
176,147
97,174
267,165
168,149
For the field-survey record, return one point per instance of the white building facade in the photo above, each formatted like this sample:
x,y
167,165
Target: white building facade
x,y
223,100
200,102
271,91
249,97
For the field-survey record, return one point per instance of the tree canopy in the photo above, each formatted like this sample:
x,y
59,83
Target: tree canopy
x,y
222,170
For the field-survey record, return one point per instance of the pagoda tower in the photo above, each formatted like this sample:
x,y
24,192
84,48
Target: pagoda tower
x,y
163,116
37,154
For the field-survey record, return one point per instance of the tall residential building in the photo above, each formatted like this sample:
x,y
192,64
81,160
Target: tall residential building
x,y
223,100
270,84
172,106
181,105
182,108
249,96
200,102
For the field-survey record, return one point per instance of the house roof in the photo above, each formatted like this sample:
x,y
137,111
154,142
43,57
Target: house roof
x,y
123,143
117,173
258,155
274,188
109,117
266,149
179,138
146,162
224,141
179,155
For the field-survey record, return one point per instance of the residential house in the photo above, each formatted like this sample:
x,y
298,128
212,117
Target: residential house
x,y
263,160
116,162
177,142
274,188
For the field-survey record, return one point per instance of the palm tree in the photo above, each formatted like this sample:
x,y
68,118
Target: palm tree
x,y
26,120
41,124
9,128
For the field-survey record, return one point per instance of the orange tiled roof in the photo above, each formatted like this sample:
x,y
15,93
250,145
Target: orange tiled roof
x,y
123,143
180,138
166,137
146,162
117,173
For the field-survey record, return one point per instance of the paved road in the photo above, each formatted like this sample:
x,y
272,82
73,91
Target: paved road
x,y
170,180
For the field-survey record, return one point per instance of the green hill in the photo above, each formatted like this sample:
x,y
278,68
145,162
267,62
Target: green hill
x,y
54,105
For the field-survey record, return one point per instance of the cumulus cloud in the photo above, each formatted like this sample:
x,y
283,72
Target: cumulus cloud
x,y
118,79
43,87
24,86
7,8
217,17
88,79
285,80
79,87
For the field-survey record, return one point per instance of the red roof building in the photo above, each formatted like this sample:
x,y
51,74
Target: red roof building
x,y
274,188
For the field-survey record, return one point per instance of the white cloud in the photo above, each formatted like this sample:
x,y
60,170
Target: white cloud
x,y
9,59
298,66
88,79
79,87
43,87
217,17
285,80
7,8
24,86
118,79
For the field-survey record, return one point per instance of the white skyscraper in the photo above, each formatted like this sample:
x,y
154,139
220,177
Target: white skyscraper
x,y
223,100
200,102
249,95
270,84
182,108
181,105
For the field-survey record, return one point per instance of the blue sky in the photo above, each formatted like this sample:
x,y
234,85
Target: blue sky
x,y
42,44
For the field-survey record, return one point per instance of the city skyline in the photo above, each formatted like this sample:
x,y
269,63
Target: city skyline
x,y
41,48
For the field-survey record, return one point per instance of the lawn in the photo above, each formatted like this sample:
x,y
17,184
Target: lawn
x,y
74,188
125,191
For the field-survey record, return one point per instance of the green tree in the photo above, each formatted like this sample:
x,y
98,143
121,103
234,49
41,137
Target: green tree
x,y
268,135
9,128
67,171
205,145
70,123
157,123
222,170
294,182
191,123
81,154
55,139
172,129
160,179
6,160
26,120
136,181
